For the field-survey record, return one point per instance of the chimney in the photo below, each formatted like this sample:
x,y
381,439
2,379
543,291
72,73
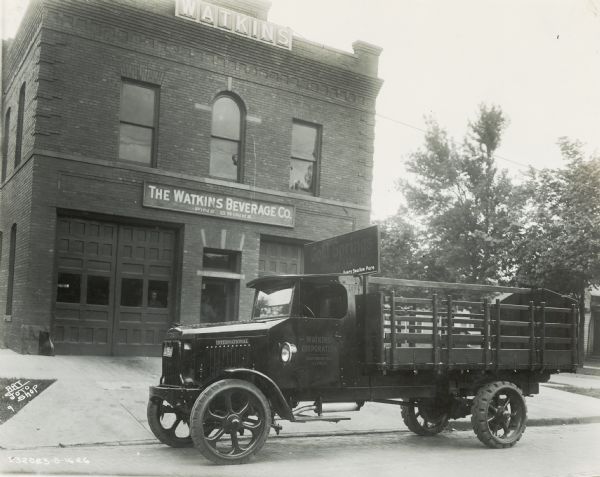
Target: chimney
x,y
368,56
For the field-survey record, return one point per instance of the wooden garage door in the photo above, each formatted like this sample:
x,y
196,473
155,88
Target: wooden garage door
x,y
114,288
279,258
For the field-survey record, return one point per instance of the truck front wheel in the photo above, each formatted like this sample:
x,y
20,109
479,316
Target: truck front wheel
x,y
168,424
425,418
230,421
499,414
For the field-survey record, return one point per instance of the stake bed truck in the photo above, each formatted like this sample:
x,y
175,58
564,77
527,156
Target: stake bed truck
x,y
317,344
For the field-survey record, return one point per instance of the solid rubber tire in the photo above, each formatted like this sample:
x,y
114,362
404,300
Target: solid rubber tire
x,y
410,420
479,414
201,404
162,434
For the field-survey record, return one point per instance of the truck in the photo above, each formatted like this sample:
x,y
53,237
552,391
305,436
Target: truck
x,y
317,344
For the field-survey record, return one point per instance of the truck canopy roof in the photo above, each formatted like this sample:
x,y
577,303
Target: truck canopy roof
x,y
270,279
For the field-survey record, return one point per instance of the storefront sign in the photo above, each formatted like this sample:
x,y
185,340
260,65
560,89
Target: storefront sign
x,y
234,22
218,205
354,253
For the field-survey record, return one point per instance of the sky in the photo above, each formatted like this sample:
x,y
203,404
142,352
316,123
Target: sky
x,y
538,60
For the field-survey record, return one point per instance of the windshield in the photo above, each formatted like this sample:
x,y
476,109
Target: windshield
x,y
272,303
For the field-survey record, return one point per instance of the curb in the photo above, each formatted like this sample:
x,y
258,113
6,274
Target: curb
x,y
459,426
553,421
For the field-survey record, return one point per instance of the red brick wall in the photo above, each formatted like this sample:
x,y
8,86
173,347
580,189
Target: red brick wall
x,y
73,67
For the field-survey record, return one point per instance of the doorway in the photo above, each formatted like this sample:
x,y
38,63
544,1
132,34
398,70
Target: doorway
x,y
115,288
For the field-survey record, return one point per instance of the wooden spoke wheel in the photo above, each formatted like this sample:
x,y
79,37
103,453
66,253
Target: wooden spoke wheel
x,y
168,424
499,414
230,421
425,418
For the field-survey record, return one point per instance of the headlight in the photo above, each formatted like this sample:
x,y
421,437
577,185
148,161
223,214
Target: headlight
x,y
287,352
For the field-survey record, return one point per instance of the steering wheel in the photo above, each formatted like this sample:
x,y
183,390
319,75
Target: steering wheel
x,y
312,313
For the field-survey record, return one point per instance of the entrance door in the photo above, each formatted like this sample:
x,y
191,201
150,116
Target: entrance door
x,y
114,288
219,299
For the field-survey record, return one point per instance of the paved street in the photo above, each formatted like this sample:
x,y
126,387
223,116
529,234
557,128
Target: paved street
x,y
543,452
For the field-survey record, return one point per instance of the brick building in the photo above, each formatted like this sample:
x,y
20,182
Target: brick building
x,y
158,155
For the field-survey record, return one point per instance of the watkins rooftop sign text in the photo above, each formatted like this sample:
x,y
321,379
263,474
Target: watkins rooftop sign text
x,y
234,22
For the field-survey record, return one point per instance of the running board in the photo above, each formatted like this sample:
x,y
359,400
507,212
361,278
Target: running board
x,y
301,418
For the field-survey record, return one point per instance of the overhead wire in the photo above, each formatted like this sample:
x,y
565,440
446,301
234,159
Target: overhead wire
x,y
417,128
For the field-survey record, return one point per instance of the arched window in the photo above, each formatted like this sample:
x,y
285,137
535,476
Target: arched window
x,y
5,145
11,269
20,114
226,139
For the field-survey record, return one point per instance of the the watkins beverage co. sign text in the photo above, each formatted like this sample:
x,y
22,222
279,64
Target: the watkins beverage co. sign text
x,y
234,22
218,205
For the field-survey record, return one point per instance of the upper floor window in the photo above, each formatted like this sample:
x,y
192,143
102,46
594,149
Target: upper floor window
x,y
20,115
137,135
226,139
304,162
5,145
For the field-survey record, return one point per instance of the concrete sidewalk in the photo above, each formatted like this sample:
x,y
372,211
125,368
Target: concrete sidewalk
x,y
102,400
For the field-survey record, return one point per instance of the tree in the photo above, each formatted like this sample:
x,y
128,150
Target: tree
x,y
461,200
556,229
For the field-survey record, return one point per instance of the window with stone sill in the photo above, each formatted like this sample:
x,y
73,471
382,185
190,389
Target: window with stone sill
x,y
304,161
138,123
226,159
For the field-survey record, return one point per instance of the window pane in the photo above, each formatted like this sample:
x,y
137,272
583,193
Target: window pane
x,y
218,300
301,175
137,104
68,288
97,290
224,158
220,261
131,291
304,141
226,119
158,293
135,144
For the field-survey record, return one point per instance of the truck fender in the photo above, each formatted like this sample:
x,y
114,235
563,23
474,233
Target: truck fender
x,y
267,386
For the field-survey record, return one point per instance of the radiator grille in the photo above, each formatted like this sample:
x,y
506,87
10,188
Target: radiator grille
x,y
213,359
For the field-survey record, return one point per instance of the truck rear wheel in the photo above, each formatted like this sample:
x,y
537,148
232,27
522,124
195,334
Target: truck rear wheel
x,y
230,421
424,418
168,424
499,414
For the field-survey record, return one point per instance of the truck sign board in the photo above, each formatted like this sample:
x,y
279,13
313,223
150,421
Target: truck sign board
x,y
355,253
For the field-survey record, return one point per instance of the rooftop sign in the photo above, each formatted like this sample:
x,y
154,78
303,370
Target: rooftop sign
x,y
234,22
218,205
356,253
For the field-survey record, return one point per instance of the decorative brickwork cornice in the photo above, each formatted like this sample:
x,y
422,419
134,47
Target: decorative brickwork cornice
x,y
213,50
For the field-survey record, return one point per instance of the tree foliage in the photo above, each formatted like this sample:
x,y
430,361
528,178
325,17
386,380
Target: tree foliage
x,y
460,198
556,231
474,225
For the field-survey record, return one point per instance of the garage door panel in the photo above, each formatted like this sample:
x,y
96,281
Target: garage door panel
x,y
97,315
68,314
133,268
129,317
